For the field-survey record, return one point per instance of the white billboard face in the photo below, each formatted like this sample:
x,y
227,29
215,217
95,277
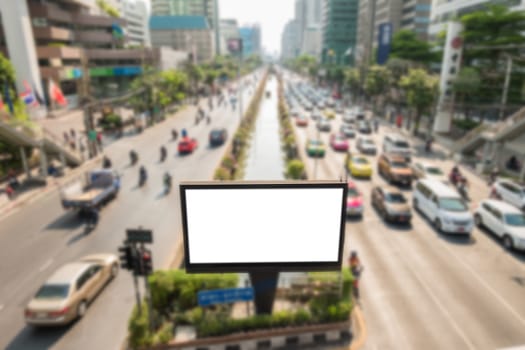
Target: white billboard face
x,y
287,227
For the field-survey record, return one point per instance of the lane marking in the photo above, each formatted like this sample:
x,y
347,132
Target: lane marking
x,y
45,265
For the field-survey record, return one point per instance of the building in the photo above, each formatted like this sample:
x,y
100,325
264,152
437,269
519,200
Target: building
x,y
207,8
251,40
136,15
229,29
365,31
312,41
339,31
443,11
308,16
184,33
73,43
167,58
289,40
415,16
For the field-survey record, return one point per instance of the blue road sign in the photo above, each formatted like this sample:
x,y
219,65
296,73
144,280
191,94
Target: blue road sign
x,y
224,296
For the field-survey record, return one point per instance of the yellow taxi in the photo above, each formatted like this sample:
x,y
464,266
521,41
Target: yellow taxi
x,y
358,166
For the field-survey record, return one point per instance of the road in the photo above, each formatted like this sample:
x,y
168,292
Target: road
x,y
41,237
424,290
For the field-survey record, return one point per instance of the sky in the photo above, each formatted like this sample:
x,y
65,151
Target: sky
x,y
271,15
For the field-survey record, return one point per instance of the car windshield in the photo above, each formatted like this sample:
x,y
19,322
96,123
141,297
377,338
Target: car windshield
x,y
395,198
434,171
315,143
369,142
352,192
401,144
216,133
515,219
53,291
399,165
360,161
452,204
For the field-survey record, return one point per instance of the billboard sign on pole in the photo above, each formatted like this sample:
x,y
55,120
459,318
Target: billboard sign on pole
x,y
384,42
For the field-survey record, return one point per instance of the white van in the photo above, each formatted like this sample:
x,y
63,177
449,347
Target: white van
x,y
393,143
443,206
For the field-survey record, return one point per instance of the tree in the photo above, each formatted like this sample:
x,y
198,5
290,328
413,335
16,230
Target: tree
x,y
397,67
352,80
406,45
466,84
377,82
7,77
195,74
489,35
421,90
172,87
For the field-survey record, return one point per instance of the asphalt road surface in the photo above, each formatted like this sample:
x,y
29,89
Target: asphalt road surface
x,y
42,237
424,290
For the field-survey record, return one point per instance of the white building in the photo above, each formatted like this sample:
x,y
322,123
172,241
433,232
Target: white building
x,y
312,41
446,10
229,29
135,12
308,17
289,40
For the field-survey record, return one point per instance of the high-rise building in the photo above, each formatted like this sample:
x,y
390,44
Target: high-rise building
x,y
365,31
251,40
207,8
73,43
308,17
229,29
136,15
444,11
339,31
289,40
184,33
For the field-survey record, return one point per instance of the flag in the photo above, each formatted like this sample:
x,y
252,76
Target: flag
x,y
7,98
28,97
56,94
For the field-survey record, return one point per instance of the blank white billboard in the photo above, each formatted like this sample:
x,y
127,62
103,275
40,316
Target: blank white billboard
x,y
263,225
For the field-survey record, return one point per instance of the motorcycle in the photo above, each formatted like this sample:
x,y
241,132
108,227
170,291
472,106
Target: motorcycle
x,y
167,183
143,176
163,154
133,157
462,188
91,219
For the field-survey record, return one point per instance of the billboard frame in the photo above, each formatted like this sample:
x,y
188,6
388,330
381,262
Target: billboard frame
x,y
263,266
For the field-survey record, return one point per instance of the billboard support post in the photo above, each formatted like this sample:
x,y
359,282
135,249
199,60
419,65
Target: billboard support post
x,y
264,285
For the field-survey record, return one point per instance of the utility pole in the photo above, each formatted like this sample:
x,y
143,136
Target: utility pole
x,y
505,88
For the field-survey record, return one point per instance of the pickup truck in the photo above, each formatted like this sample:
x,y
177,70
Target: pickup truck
x,y
97,188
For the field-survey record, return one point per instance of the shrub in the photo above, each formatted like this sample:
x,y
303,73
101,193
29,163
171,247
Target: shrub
x,y
228,162
111,121
222,174
164,335
465,124
139,333
295,169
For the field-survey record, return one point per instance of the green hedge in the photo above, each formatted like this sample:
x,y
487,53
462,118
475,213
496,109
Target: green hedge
x,y
465,124
346,277
111,121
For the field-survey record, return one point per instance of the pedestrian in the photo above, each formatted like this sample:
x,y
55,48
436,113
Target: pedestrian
x,y
99,140
399,121
73,134
81,146
66,138
10,192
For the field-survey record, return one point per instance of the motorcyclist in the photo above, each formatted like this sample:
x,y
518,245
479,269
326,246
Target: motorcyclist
x,y
106,162
454,175
143,175
163,153
134,157
92,217
167,182
355,264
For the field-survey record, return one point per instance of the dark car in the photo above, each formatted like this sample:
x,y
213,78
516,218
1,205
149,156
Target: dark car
x,y
218,137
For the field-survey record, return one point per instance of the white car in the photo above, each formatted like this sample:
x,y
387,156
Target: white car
x,y
324,125
348,130
366,145
428,171
349,117
504,220
510,192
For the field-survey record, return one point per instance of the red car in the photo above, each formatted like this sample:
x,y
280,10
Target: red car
x,y
339,142
187,145
301,121
354,201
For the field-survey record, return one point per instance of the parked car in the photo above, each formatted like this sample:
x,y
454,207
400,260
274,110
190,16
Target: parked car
x,y
364,127
443,207
395,169
315,148
358,166
504,220
67,293
510,192
424,170
217,137
301,120
397,144
339,142
366,145
391,204
324,125
347,130
354,201
187,145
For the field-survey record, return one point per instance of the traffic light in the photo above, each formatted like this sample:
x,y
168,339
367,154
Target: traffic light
x,y
147,262
127,260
